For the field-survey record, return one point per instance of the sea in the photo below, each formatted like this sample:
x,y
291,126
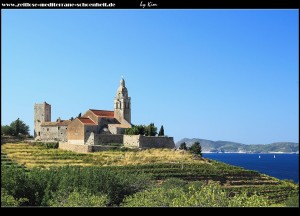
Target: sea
x,y
281,166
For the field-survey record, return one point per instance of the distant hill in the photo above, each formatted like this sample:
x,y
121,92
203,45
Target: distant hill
x,y
227,146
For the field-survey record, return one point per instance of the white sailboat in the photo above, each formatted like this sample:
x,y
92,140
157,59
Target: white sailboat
x,y
259,156
274,156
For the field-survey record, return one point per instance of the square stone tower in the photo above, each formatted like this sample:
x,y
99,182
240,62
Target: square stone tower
x,y
42,113
122,104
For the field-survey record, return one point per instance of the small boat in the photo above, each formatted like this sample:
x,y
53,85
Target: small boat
x,y
274,156
259,156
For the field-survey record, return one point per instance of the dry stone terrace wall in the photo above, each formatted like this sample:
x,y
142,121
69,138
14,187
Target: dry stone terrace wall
x,y
82,148
102,139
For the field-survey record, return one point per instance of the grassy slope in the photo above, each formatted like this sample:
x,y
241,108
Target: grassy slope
x,y
161,163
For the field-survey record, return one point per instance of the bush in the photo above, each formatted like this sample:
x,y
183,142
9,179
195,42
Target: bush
x,y
197,195
13,180
293,201
183,146
40,186
77,198
8,200
196,149
48,145
174,182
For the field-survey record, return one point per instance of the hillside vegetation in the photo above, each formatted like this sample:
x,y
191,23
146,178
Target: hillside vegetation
x,y
227,146
31,155
39,175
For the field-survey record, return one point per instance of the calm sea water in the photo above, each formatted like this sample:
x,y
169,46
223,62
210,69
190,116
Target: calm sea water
x,y
283,166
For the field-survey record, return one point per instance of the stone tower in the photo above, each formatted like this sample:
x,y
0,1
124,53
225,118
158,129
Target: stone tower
x,y
122,104
42,113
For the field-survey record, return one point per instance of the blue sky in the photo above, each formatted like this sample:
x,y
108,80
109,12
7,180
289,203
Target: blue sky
x,y
212,74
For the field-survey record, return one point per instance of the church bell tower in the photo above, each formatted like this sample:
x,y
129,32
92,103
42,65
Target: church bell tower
x,y
122,104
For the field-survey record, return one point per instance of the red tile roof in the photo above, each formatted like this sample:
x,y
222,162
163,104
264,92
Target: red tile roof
x,y
87,121
103,113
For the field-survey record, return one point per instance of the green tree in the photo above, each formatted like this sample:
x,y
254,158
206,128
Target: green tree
x,y
141,129
183,146
161,131
6,130
135,130
132,131
71,118
79,115
150,130
196,149
19,127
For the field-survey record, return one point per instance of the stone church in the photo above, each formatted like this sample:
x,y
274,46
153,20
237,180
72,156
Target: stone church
x,y
95,127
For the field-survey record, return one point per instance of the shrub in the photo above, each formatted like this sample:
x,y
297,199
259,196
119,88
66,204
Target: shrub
x,y
293,201
8,200
196,149
174,182
77,198
197,195
39,186
183,146
48,145
13,180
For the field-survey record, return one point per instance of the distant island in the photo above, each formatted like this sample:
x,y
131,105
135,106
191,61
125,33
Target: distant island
x,y
209,146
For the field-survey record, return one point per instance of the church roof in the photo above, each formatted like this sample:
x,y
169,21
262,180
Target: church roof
x,y
86,121
103,113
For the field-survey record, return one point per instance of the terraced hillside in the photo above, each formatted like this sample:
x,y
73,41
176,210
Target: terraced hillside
x,y
32,155
5,161
160,163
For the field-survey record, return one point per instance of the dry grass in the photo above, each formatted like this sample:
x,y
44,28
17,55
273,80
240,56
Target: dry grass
x,y
148,156
36,156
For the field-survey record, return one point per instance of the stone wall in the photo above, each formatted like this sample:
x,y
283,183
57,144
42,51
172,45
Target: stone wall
x,y
139,141
112,128
82,148
76,142
53,133
62,133
131,141
100,139
75,131
49,133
